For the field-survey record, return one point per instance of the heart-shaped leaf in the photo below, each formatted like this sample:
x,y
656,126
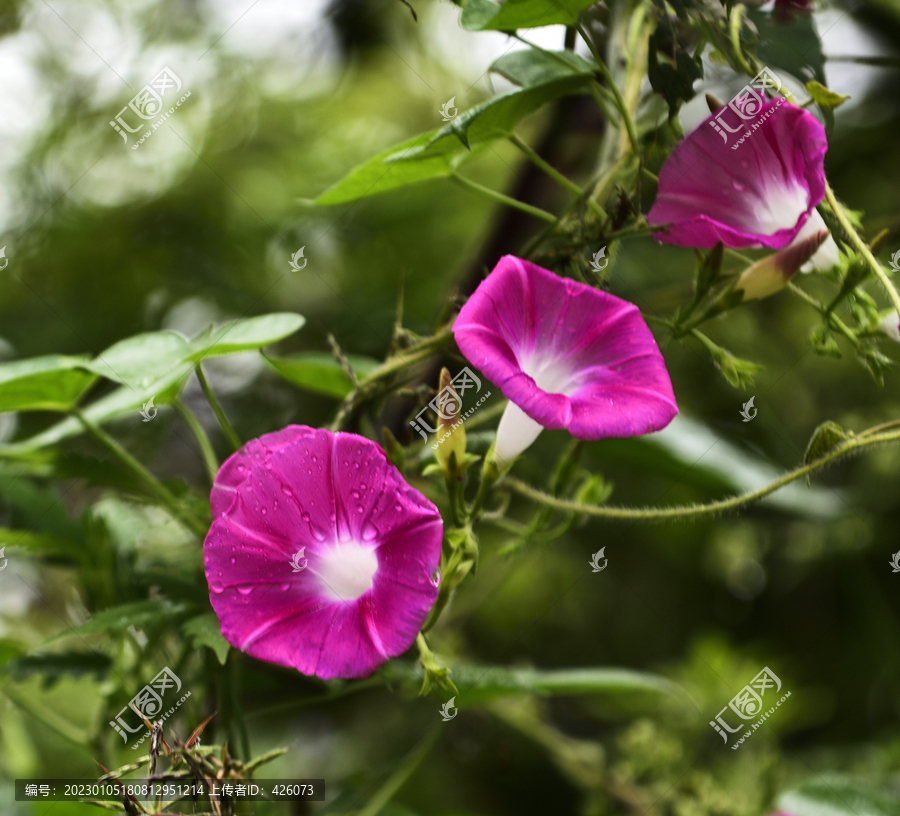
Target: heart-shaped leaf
x,y
52,383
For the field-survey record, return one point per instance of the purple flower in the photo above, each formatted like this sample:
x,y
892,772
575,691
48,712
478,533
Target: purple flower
x,y
566,355
320,556
746,182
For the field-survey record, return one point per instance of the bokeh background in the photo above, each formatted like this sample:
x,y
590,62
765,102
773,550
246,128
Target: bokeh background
x,y
199,224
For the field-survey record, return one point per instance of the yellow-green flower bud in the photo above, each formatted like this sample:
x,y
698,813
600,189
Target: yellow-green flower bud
x,y
771,274
450,440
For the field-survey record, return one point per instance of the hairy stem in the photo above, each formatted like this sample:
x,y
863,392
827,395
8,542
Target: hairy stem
x,y
683,512
862,247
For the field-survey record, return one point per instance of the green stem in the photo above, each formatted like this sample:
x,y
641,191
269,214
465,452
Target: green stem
x,y
206,448
233,439
697,511
144,476
862,247
551,171
825,311
493,195
234,691
620,101
401,775
734,28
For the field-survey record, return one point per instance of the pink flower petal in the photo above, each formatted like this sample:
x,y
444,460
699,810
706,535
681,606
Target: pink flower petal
x,y
759,194
568,355
370,546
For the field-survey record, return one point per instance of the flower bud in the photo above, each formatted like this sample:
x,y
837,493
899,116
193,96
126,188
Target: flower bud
x,y
890,325
451,435
771,274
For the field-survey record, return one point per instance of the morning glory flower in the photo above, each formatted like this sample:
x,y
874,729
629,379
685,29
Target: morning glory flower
x,y
565,355
746,183
320,555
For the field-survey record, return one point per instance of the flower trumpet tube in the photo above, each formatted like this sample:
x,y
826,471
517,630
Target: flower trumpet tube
x,y
320,556
754,185
771,274
565,355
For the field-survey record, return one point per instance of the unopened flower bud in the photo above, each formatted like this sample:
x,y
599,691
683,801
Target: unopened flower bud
x,y
771,274
890,325
450,440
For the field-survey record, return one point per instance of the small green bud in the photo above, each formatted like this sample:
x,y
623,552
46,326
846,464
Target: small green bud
x,y
450,440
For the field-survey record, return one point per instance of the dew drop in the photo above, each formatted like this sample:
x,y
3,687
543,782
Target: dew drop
x,y
217,588
436,577
739,184
398,508
370,531
304,515
354,493
287,491
360,509
245,589
264,511
315,459
233,561
285,587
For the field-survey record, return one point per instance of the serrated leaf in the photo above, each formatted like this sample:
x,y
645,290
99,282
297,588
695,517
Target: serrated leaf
x,y
825,437
407,163
52,667
497,117
320,372
248,334
204,631
482,15
834,796
877,363
51,383
823,97
118,618
534,66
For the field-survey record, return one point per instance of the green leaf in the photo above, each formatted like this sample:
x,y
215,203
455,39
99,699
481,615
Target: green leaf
x,y
498,117
407,163
52,667
790,44
139,360
118,618
824,98
834,796
39,543
481,15
738,372
204,631
824,438
478,683
877,363
320,372
245,335
9,650
671,70
535,66
52,383
823,341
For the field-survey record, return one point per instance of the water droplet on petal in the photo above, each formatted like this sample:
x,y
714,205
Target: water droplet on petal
x,y
354,493
216,587
436,577
369,532
285,587
739,184
245,589
233,561
360,509
264,511
286,490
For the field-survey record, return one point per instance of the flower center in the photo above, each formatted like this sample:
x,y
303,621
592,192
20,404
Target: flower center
x,y
346,570
550,375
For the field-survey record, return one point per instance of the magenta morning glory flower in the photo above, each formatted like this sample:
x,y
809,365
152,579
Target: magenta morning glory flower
x,y
320,556
565,355
747,183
